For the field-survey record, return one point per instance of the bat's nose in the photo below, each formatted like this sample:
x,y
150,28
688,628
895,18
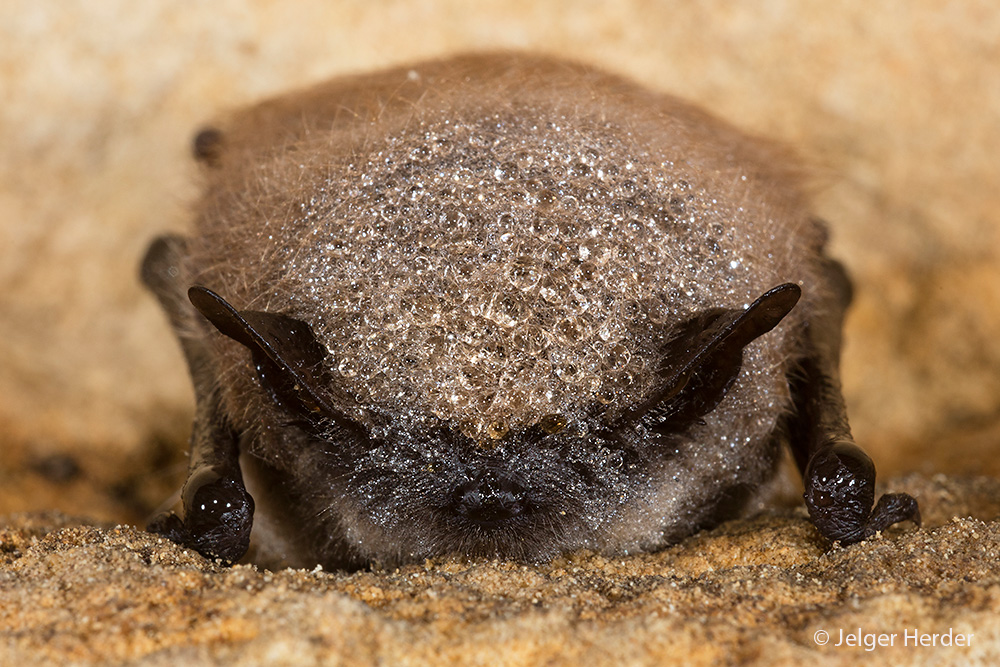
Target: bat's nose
x,y
490,500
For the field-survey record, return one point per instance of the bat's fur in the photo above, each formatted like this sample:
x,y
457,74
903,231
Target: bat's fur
x,y
503,258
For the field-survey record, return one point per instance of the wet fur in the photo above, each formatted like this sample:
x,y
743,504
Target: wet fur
x,y
607,480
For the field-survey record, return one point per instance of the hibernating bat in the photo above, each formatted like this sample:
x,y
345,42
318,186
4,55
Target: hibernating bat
x,y
501,305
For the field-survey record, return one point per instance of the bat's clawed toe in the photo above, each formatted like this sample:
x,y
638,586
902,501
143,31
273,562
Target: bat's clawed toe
x,y
893,508
170,526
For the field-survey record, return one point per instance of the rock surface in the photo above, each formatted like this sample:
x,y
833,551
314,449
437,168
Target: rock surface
x,y
758,590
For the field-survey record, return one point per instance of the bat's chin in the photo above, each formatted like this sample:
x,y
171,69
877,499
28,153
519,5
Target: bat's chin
x,y
495,522
524,538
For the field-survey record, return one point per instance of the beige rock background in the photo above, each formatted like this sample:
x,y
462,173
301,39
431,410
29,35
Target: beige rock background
x,y
895,104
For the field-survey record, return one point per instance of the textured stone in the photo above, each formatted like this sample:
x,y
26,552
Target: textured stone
x,y
755,590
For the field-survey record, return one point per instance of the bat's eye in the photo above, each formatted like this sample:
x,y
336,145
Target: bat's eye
x,y
490,500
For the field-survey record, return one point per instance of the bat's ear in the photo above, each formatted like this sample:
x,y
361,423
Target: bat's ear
x,y
290,362
838,476
704,356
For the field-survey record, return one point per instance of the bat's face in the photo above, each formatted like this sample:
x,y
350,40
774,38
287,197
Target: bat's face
x,y
405,493
494,306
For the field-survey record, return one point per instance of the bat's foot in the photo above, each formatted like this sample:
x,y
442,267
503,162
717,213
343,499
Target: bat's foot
x,y
839,493
217,520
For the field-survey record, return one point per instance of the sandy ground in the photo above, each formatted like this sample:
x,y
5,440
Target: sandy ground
x,y
762,590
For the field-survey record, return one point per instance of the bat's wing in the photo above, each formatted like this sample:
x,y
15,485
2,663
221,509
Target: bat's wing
x,y
218,511
839,476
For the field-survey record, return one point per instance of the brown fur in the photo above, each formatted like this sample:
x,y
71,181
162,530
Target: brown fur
x,y
283,188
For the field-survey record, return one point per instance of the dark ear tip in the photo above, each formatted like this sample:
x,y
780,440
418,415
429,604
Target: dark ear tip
x,y
207,146
200,296
779,301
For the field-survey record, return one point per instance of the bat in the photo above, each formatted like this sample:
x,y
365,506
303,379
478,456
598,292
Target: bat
x,y
506,306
